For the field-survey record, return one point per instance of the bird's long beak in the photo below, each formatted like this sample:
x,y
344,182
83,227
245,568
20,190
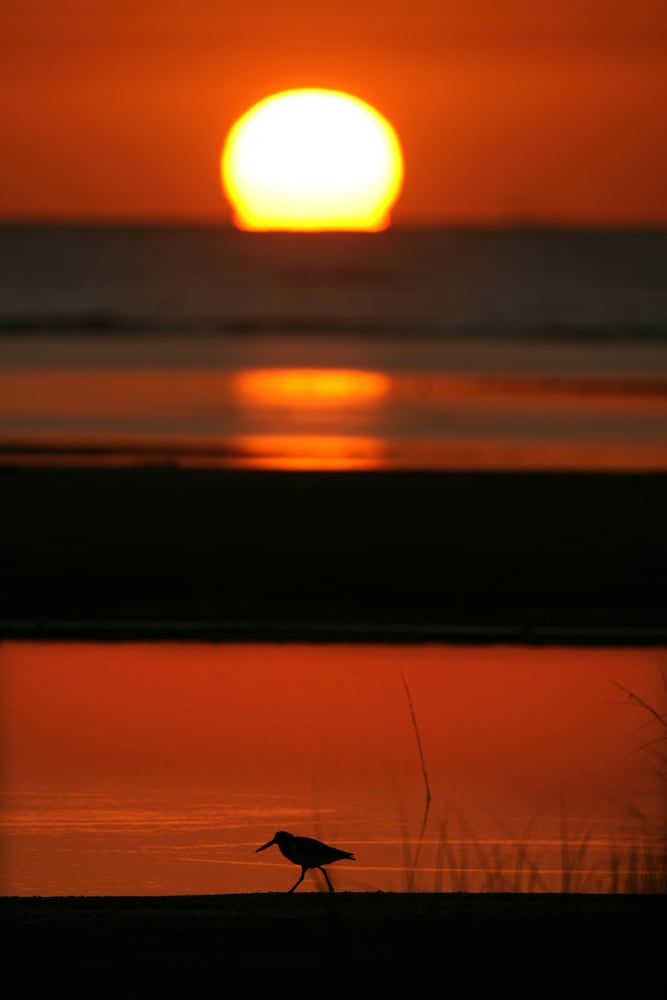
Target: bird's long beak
x,y
264,846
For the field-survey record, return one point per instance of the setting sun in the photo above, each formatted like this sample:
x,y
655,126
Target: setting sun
x,y
312,160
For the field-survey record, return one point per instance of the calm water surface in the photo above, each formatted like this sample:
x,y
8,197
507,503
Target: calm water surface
x,y
159,769
433,349
335,406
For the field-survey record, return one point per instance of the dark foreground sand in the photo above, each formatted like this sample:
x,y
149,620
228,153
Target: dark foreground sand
x,y
324,945
220,554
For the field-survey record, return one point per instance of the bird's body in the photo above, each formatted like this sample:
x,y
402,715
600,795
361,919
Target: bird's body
x,y
308,853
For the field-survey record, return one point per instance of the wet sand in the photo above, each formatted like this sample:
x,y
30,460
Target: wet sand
x,y
319,944
168,552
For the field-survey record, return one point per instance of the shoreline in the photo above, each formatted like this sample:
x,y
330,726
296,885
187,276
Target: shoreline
x,y
338,633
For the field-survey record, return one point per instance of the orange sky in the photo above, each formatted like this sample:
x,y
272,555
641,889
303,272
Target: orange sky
x,y
506,111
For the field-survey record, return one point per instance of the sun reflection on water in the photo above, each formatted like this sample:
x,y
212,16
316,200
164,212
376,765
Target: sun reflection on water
x,y
310,387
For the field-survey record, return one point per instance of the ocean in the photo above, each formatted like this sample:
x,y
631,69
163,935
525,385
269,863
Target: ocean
x,y
429,348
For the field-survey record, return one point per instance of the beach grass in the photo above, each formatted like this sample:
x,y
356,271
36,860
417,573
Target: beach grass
x,y
637,851
627,856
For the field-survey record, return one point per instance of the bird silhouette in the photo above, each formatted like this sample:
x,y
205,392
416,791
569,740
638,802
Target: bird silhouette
x,y
306,852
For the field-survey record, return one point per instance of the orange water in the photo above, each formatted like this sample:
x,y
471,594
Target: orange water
x,y
331,418
159,768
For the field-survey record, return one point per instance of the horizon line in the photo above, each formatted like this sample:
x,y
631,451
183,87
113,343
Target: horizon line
x,y
167,222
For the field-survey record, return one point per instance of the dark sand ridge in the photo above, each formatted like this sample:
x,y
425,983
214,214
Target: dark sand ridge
x,y
160,552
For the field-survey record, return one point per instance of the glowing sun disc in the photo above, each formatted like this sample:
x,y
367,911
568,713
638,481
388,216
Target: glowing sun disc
x,y
312,160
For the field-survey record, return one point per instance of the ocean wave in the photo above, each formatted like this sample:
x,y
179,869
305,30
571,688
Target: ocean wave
x,y
100,324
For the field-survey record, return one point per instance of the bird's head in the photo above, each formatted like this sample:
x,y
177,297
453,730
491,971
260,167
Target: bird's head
x,y
280,838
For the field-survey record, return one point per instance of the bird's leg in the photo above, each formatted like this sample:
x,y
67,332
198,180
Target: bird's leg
x,y
298,881
331,888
